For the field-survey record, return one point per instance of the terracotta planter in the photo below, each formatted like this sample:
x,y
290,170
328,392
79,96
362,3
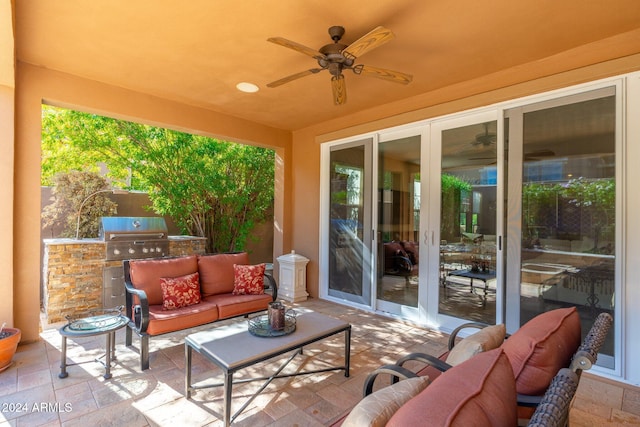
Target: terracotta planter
x,y
8,347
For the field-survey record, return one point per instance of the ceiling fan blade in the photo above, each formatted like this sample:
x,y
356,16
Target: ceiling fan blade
x,y
294,77
374,38
339,89
297,47
382,73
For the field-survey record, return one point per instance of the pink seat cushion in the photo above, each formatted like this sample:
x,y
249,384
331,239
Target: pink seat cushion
x,y
230,305
541,347
479,392
162,321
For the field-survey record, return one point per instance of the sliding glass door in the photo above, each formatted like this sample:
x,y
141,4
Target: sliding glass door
x,y
493,216
563,172
349,249
399,210
465,226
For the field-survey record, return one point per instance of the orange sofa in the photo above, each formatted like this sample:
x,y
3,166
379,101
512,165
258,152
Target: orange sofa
x,y
146,302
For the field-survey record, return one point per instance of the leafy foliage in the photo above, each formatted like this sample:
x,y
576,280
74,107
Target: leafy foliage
x,y
70,190
452,188
594,198
211,188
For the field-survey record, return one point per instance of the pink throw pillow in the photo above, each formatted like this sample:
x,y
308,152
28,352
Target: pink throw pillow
x,y
541,347
478,392
180,291
248,279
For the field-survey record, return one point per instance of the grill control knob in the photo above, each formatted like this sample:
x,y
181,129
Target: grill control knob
x,y
116,251
145,250
158,250
132,251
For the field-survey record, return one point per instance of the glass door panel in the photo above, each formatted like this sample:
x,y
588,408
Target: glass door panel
x,y
398,222
468,227
568,236
350,223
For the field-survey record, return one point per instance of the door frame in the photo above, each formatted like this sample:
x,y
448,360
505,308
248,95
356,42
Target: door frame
x,y
414,314
442,321
368,293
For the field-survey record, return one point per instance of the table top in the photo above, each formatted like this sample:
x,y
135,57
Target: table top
x,y
94,325
232,347
481,275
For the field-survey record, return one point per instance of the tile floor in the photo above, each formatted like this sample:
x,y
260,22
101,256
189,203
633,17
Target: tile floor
x,y
31,394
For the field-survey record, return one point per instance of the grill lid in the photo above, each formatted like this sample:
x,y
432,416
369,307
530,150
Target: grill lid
x,y
130,228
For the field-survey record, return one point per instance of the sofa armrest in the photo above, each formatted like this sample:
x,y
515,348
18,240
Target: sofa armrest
x,y
397,373
139,313
528,401
270,283
454,334
426,359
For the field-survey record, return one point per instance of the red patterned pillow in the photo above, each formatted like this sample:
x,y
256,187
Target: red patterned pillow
x,y
248,279
180,291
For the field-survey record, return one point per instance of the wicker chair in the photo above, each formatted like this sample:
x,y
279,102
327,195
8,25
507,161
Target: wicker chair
x,y
583,359
553,409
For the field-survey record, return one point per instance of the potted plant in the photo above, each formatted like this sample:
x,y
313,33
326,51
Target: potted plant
x,y
9,339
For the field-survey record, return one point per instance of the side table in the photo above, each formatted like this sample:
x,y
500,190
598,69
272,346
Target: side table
x,y
103,324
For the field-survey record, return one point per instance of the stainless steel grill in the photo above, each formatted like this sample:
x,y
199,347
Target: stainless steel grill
x,y
129,238
134,237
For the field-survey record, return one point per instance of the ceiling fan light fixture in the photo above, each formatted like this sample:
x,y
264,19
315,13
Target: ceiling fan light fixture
x,y
247,87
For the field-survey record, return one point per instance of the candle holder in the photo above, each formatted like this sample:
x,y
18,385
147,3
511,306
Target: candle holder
x,y
275,314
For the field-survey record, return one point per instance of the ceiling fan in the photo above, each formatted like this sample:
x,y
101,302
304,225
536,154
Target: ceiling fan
x,y
485,138
337,57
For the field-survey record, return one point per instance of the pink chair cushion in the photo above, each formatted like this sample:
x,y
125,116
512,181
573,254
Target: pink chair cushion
x,y
479,392
541,347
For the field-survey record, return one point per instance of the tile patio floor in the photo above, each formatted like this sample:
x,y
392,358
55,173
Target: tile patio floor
x,y
31,394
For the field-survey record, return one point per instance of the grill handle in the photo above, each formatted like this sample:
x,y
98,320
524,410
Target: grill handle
x,y
131,236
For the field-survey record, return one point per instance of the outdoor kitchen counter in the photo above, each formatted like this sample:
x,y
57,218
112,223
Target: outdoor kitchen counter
x,y
74,272
87,240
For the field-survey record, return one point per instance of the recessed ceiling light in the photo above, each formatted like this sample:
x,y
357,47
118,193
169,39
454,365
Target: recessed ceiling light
x,y
247,87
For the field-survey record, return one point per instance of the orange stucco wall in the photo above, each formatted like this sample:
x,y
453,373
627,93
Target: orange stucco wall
x,y
6,213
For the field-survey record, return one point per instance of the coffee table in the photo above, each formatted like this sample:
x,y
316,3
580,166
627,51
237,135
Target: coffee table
x,y
233,348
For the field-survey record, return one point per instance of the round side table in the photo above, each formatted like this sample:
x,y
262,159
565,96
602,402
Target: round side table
x,y
103,324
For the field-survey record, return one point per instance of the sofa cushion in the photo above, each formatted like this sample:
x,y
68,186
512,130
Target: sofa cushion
x,y
216,272
376,409
180,291
162,321
146,274
484,340
230,305
541,347
479,392
248,279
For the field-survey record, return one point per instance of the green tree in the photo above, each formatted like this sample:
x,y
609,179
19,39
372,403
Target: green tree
x,y
451,188
211,188
70,190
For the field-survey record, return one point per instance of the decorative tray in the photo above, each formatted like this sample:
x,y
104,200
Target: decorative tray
x,y
260,327
108,318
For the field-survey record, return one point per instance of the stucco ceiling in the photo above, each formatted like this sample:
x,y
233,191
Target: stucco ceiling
x,y
196,51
